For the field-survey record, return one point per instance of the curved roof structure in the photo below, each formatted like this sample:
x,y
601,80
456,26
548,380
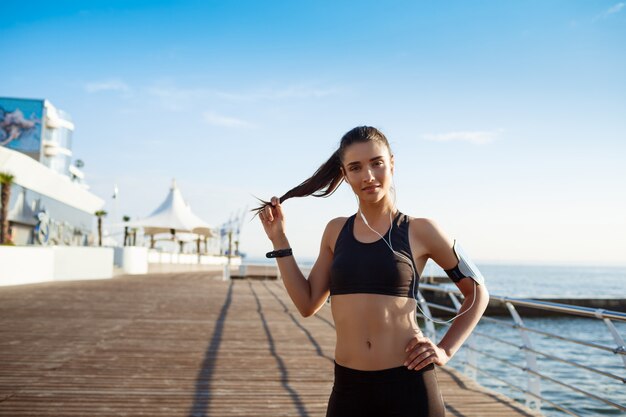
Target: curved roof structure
x,y
174,214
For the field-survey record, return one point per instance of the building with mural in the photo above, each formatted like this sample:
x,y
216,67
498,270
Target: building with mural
x,y
50,202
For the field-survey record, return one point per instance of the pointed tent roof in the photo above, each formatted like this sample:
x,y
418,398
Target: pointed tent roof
x,y
173,213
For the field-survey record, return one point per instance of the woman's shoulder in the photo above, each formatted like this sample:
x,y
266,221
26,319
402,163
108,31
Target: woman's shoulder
x,y
334,226
424,227
332,231
420,221
337,223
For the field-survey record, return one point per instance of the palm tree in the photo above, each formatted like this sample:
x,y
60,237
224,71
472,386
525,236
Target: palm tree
x,y
6,180
100,214
126,236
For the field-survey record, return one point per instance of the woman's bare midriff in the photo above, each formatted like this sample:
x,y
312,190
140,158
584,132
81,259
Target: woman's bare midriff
x,y
373,330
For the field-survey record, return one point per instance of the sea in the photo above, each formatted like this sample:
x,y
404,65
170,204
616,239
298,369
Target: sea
x,y
548,281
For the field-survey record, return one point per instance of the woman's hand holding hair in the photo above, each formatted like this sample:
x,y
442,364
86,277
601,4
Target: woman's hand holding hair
x,y
273,222
422,352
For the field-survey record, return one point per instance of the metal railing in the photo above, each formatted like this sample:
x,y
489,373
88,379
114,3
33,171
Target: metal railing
x,y
532,391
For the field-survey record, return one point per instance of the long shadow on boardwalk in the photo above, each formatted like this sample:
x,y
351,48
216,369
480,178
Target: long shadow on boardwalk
x,y
297,401
202,397
318,348
317,316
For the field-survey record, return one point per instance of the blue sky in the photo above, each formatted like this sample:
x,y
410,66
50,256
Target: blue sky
x,y
507,119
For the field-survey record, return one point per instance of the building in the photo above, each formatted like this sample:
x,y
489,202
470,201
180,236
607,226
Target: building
x,y
50,203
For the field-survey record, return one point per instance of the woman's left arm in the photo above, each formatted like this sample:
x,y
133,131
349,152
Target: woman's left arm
x,y
463,325
421,350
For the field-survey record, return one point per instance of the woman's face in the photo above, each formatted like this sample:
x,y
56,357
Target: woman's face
x,y
368,168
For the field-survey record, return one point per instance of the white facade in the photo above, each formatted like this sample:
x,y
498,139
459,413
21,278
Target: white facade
x,y
34,176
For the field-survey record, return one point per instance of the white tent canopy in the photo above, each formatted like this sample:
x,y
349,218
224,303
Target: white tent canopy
x,y
173,214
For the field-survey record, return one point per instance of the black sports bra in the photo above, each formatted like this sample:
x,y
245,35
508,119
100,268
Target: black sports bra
x,y
372,267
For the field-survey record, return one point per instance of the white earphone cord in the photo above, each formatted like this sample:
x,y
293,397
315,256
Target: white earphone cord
x,y
414,272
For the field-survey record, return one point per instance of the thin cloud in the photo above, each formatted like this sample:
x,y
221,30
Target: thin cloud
x,y
177,99
289,92
216,119
174,93
107,85
615,9
296,92
476,138
611,10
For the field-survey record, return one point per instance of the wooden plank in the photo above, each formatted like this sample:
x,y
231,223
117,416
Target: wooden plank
x,y
183,344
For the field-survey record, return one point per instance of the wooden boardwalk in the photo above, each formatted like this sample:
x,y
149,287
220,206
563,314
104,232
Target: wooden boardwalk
x,y
186,344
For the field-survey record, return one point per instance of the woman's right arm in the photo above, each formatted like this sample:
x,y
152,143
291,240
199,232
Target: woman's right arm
x,y
308,295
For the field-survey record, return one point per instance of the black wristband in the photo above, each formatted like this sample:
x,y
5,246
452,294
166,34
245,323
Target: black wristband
x,y
279,253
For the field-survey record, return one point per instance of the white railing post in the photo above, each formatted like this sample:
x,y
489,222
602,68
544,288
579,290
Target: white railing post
x,y
534,383
621,346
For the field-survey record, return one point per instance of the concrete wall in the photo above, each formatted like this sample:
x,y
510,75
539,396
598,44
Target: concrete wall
x,y
173,268
25,265
31,264
82,262
141,260
132,259
156,257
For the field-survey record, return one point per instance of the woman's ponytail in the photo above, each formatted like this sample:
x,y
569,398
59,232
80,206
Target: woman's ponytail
x,y
321,184
328,177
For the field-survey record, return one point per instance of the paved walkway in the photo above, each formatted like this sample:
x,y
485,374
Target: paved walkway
x,y
184,344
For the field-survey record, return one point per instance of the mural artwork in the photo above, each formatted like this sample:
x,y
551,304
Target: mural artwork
x,y
20,124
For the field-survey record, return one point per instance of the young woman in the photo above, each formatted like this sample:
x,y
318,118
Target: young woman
x,y
370,263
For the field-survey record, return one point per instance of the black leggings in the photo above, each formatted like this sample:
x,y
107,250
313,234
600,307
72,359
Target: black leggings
x,y
394,392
